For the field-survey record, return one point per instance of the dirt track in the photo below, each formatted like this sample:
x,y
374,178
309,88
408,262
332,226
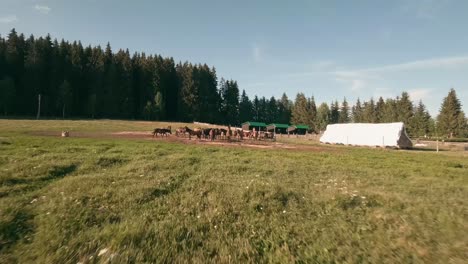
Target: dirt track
x,y
259,144
145,135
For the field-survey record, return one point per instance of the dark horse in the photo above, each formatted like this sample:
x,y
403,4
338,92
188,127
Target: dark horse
x,y
197,133
162,131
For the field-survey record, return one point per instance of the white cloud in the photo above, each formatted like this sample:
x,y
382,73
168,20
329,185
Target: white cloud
x,y
419,94
358,84
256,52
42,9
423,9
357,79
8,19
434,63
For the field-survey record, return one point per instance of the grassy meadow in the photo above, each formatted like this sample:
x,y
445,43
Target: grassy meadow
x,y
99,199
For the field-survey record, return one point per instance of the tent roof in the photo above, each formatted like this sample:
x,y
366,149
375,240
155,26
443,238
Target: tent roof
x,y
257,124
301,126
362,134
279,125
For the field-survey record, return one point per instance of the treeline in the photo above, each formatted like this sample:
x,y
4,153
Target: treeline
x,y
450,122
45,77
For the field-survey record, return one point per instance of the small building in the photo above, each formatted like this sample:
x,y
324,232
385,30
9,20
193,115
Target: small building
x,y
298,129
361,134
259,126
278,128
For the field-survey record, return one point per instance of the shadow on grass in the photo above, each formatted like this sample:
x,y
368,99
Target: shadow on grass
x,y
57,172
426,149
174,183
13,231
105,162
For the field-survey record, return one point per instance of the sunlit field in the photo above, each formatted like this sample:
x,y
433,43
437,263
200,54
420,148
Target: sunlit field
x,y
94,198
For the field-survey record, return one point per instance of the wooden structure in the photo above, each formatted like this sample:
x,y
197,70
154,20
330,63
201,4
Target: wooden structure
x,y
277,128
298,129
259,126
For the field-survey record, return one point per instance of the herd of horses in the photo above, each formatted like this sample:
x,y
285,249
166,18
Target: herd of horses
x,y
214,133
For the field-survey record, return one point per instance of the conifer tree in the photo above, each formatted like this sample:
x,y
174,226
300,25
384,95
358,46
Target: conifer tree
x,y
421,121
390,113
334,112
369,115
379,110
245,108
300,111
284,109
323,117
65,97
451,121
344,112
272,111
357,112
312,113
7,95
405,112
256,109
230,103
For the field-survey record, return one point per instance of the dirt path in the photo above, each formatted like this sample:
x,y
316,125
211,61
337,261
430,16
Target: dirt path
x,y
146,135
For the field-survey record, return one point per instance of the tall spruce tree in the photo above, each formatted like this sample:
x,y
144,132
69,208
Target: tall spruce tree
x,y
334,112
272,111
344,112
230,103
312,111
379,110
451,121
421,121
323,117
284,110
405,112
245,108
357,112
300,111
390,112
7,95
369,114
65,97
256,109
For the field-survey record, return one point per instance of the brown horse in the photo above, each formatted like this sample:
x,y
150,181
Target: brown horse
x,y
212,134
195,132
161,131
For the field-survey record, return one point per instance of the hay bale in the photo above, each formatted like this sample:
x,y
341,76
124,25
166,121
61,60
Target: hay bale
x,y
65,133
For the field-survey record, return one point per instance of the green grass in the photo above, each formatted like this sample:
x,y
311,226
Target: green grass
x,y
65,200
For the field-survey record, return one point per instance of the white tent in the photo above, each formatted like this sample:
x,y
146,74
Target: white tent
x,y
385,135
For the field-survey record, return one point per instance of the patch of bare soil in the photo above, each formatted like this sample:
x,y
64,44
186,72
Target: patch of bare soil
x,y
147,135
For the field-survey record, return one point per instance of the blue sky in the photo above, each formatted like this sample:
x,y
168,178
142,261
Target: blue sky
x,y
329,49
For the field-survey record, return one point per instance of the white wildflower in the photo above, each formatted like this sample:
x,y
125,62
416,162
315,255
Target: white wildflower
x,y
102,252
284,211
